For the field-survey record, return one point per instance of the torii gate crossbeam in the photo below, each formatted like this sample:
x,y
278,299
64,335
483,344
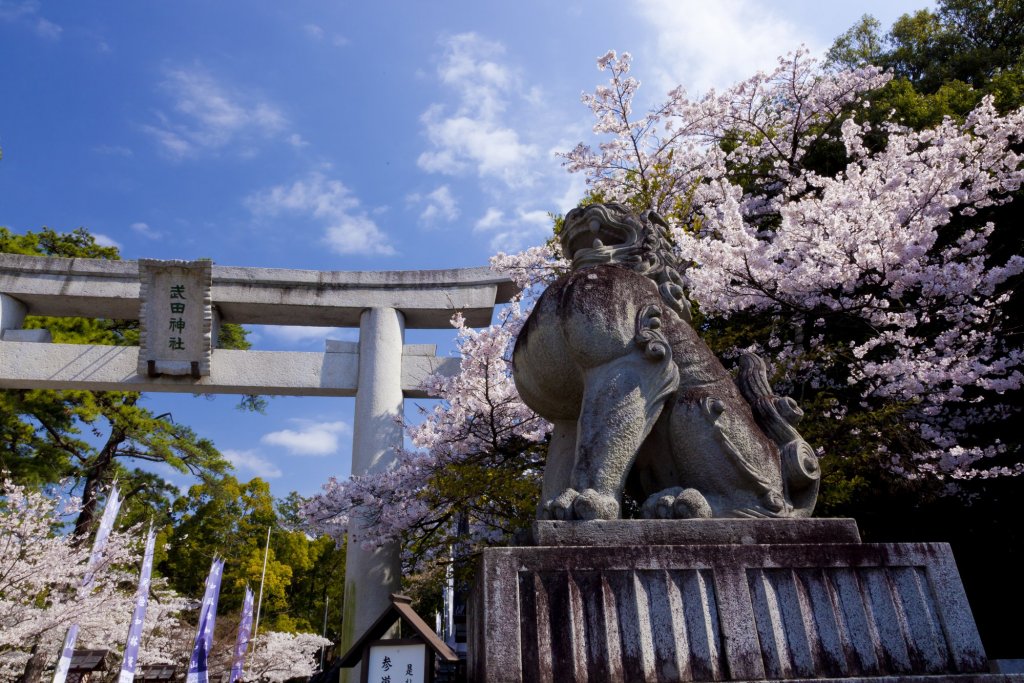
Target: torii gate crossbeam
x,y
380,370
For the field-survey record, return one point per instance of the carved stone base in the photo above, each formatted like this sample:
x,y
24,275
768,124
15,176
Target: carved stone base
x,y
725,610
631,532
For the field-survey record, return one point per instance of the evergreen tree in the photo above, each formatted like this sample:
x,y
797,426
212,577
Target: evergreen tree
x,y
46,436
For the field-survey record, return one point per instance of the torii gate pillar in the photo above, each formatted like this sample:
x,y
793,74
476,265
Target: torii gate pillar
x,y
371,577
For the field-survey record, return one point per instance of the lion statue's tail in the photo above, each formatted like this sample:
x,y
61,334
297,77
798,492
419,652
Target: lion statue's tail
x,y
777,415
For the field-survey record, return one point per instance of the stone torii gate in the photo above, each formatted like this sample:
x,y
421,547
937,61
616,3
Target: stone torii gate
x,y
379,371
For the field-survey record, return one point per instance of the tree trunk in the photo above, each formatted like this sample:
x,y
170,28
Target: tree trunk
x,y
34,667
97,475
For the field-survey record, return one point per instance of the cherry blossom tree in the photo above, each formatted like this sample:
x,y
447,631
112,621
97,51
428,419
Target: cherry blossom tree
x,y
41,573
278,656
857,256
876,264
477,455
167,638
866,251
41,593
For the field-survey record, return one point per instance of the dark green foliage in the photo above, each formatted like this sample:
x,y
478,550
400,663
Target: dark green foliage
x,y
943,53
861,45
945,60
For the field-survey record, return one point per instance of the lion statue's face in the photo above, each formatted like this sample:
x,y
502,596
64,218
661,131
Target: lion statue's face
x,y
611,234
602,233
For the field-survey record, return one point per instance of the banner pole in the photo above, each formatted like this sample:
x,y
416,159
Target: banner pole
x,y
327,602
259,602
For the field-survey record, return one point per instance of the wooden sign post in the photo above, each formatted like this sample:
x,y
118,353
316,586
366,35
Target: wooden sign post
x,y
398,660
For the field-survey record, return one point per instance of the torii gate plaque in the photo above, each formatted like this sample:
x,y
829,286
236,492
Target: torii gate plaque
x,y
380,371
175,317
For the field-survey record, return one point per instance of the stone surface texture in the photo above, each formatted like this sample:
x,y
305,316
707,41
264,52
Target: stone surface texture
x,y
99,288
35,336
733,612
12,313
175,317
26,365
638,400
371,576
628,532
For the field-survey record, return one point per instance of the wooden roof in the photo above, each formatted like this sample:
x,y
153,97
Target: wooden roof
x,y
401,608
156,672
87,661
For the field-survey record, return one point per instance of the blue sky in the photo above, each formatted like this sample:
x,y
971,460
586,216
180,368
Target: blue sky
x,y
336,135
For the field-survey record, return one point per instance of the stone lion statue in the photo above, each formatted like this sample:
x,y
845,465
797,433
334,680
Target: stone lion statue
x,y
639,402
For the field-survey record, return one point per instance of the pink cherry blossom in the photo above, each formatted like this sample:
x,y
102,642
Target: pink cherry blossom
x,y
869,244
41,594
894,246
277,656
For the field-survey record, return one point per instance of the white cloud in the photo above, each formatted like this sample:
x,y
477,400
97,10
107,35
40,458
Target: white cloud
x,y
28,12
252,461
715,44
209,116
464,142
296,140
172,144
144,230
473,135
114,150
347,227
575,189
438,205
470,69
13,11
506,132
318,34
490,220
105,241
512,233
47,29
311,438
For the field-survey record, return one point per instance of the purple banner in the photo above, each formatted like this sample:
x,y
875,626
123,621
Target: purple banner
x,y
110,511
197,664
66,653
131,647
242,644
102,534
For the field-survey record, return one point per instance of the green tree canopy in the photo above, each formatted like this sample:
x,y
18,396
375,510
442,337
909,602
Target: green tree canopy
x,y
945,60
229,518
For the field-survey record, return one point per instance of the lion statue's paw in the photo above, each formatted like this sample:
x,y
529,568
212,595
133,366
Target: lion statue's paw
x,y
677,503
594,505
571,504
560,507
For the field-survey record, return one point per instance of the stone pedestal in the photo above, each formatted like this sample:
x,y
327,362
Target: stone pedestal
x,y
705,600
